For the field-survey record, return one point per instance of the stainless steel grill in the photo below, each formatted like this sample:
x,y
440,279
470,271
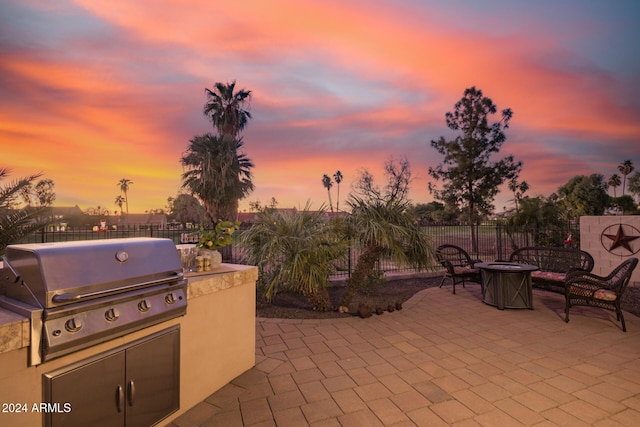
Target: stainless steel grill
x,y
78,294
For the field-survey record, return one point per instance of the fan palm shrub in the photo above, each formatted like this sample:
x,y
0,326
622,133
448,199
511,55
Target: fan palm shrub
x,y
294,251
16,223
383,226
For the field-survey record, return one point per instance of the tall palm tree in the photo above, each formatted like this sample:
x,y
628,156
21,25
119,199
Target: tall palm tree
x,y
226,109
614,182
17,223
218,173
119,202
326,183
337,177
625,169
384,226
518,189
124,184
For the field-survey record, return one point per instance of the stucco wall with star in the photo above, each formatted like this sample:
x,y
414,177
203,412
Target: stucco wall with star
x,y
611,240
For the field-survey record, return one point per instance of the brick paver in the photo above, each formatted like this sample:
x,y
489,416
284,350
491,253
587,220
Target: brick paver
x,y
444,359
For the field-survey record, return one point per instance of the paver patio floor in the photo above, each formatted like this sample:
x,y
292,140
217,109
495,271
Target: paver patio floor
x,y
443,360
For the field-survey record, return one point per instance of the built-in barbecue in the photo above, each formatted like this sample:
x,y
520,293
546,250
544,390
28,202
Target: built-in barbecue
x,y
78,294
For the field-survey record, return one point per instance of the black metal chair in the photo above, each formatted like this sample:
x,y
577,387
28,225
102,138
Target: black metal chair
x,y
582,288
458,265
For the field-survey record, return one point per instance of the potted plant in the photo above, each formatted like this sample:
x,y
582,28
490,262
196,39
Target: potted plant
x,y
210,241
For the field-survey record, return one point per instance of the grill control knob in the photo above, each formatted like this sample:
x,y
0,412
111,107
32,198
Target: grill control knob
x,y
144,306
170,298
72,325
112,314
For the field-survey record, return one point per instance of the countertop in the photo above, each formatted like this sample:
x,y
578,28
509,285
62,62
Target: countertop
x,y
15,329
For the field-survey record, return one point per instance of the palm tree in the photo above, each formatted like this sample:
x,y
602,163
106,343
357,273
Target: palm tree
x,y
218,174
294,251
226,109
119,202
124,184
326,182
614,182
16,223
338,178
518,189
383,226
625,169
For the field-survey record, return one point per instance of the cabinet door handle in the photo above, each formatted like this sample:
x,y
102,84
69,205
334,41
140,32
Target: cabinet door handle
x,y
120,398
132,392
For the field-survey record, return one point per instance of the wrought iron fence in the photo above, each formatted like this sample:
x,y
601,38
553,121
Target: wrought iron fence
x,y
493,241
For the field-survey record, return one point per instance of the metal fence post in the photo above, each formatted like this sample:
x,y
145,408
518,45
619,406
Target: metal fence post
x,y
499,249
349,263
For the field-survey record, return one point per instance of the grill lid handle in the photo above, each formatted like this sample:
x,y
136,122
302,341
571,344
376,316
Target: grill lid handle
x,y
72,297
16,276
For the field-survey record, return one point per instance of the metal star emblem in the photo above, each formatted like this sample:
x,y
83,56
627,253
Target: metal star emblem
x,y
621,240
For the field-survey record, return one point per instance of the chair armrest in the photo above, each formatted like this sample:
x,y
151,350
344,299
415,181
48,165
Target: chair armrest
x,y
583,277
577,271
447,265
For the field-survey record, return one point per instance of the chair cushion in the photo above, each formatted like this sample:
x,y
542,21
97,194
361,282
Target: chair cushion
x,y
548,275
465,270
605,295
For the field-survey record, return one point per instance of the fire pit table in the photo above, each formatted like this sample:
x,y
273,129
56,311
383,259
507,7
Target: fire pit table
x,y
506,285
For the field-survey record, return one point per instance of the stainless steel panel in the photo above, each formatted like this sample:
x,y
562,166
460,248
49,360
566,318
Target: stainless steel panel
x,y
87,395
49,269
134,385
153,380
85,324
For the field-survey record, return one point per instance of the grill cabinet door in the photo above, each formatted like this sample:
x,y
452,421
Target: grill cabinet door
x,y
93,392
153,379
135,386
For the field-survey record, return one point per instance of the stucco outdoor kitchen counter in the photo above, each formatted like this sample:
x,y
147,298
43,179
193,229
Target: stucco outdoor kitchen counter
x,y
217,343
14,331
14,328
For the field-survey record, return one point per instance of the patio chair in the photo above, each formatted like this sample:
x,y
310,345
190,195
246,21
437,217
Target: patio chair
x,y
582,288
458,265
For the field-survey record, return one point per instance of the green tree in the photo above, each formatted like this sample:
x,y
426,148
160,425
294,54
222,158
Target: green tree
x,y
227,109
218,173
294,251
327,183
471,178
16,223
337,177
614,182
539,216
186,209
583,195
434,213
625,203
634,184
625,169
518,189
383,223
124,185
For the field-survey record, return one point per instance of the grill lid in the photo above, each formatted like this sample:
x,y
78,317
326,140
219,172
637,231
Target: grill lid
x,y
50,274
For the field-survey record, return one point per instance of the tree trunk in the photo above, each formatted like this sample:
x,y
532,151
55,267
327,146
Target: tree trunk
x,y
366,263
320,299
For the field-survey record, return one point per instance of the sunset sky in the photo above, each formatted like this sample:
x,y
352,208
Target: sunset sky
x,y
95,91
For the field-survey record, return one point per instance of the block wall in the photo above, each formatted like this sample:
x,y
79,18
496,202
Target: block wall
x,y
597,236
